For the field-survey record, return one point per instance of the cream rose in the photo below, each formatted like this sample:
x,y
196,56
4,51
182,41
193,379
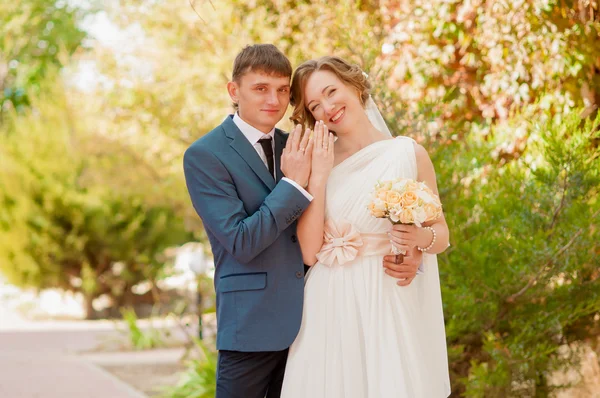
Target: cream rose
x,y
406,216
392,197
409,199
411,186
431,211
378,209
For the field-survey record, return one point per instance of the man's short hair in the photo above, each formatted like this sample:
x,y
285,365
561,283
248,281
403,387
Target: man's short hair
x,y
261,58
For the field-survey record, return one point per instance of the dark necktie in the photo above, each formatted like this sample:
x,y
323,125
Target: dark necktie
x,y
268,148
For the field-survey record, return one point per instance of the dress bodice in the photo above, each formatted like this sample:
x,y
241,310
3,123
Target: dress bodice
x,y
352,182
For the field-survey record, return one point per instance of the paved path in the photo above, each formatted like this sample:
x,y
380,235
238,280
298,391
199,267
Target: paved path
x,y
31,375
56,359
42,362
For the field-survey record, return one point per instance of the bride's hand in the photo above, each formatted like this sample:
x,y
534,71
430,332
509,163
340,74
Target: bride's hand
x,y
322,156
409,236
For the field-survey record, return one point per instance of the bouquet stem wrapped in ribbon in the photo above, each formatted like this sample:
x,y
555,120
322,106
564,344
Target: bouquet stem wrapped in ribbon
x,y
405,201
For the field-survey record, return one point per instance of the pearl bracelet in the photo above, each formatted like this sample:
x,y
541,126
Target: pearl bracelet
x,y
432,240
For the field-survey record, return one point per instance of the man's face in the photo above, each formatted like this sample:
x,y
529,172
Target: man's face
x,y
262,98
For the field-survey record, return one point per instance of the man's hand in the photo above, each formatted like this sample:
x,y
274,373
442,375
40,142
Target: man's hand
x,y
406,268
297,156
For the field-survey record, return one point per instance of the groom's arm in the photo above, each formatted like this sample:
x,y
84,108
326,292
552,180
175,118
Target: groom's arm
x,y
216,201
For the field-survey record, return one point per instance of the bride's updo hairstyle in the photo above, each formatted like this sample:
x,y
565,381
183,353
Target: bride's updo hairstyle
x,y
350,74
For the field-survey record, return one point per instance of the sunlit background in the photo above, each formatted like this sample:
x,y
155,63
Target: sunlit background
x,y
103,258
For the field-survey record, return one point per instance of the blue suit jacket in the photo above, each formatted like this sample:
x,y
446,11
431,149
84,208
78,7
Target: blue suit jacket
x,y
250,220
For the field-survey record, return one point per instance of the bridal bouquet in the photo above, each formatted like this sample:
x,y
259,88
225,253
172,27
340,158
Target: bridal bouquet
x,y
405,201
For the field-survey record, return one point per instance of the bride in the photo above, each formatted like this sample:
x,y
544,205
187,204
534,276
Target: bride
x,y
371,328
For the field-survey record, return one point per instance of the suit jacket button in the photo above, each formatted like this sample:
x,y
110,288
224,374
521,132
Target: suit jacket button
x,y
299,275
294,239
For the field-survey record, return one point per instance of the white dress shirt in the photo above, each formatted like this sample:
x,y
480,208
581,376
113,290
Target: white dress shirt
x,y
254,135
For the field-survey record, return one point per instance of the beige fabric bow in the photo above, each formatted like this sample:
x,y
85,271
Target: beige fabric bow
x,y
341,243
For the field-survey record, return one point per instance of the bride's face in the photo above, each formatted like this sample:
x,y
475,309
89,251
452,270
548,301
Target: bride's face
x,y
327,98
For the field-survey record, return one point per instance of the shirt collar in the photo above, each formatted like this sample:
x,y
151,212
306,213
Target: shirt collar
x,y
251,133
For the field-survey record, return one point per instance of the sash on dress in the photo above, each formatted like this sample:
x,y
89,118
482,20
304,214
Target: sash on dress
x,y
342,243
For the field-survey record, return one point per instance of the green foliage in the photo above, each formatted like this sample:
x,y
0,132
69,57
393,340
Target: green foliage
x,y
141,339
201,43
62,223
35,37
199,380
522,274
488,59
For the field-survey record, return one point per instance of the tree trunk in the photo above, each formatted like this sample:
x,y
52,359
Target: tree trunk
x,y
90,312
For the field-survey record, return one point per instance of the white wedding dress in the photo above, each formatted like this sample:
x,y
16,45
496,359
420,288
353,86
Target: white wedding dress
x,y
363,336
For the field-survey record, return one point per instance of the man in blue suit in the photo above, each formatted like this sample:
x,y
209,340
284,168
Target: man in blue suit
x,y
235,178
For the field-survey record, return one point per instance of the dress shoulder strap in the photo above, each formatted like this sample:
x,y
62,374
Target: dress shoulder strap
x,y
406,152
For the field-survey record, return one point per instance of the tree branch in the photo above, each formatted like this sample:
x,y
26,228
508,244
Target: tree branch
x,y
532,281
194,8
562,203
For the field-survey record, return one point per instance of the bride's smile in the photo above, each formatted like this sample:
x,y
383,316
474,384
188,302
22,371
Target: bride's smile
x,y
338,116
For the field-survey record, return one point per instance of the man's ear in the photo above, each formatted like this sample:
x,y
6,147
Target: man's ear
x,y
232,89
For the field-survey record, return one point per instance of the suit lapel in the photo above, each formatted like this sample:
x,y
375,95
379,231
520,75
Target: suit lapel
x,y
243,147
280,140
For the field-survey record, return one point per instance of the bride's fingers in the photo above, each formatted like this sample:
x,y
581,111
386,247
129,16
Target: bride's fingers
x,y
400,241
406,228
318,135
402,235
400,246
331,142
323,133
325,136
304,142
311,144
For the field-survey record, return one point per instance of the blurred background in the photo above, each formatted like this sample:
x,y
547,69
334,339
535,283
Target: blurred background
x,y
99,100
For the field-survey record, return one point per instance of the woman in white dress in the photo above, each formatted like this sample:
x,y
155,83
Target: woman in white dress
x,y
370,328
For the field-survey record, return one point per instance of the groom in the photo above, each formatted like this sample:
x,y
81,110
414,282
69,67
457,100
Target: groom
x,y
235,178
